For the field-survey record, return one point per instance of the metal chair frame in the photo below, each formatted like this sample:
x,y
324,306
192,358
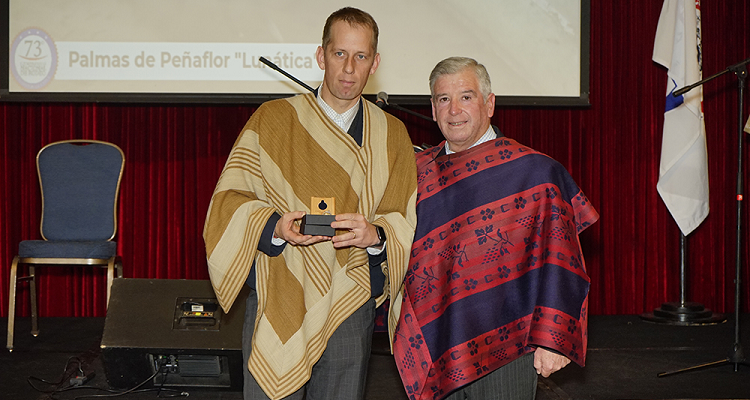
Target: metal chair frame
x,y
113,264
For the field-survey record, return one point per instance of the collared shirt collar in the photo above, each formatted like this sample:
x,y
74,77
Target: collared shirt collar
x,y
343,120
489,135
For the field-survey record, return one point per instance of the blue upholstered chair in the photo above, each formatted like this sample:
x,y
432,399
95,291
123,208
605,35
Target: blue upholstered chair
x,y
80,181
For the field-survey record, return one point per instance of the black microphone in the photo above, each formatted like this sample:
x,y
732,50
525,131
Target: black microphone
x,y
382,102
382,99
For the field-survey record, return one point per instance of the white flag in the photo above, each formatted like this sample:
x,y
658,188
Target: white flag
x,y
683,172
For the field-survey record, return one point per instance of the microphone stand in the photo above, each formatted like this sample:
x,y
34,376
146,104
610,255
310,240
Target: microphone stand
x,y
288,75
737,355
306,86
408,111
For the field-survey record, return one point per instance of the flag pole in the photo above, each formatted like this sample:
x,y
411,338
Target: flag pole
x,y
687,313
683,313
683,174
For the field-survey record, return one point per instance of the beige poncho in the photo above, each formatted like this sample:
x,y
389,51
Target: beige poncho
x,y
288,152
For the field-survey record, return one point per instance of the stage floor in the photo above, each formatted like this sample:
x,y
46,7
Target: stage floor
x,y
625,355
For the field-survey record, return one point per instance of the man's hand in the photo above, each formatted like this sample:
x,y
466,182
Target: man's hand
x,y
287,228
547,362
360,233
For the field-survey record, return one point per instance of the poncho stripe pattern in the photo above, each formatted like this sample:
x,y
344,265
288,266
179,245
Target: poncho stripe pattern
x,y
288,152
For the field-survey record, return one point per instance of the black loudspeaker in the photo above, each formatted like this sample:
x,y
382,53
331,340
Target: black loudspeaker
x,y
172,333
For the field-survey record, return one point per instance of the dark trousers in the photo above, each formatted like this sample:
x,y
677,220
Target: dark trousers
x,y
514,381
341,371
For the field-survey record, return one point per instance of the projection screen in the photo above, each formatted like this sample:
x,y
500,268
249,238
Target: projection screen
x,y
536,51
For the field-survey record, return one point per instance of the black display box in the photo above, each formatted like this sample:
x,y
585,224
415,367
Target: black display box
x,y
317,225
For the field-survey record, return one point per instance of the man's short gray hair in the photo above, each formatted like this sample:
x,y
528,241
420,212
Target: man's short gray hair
x,y
453,65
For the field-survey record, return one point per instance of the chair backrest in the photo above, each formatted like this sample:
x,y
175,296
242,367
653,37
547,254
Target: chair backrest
x,y
80,181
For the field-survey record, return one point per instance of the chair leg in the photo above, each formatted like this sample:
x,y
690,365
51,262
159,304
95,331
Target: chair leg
x,y
118,266
114,269
110,277
32,292
12,303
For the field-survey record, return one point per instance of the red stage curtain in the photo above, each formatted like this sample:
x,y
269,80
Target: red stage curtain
x,y
176,152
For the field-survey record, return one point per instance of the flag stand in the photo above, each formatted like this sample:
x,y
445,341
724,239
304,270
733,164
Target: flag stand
x,y
683,313
736,356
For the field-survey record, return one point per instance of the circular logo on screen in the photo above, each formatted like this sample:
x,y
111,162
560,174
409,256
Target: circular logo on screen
x,y
33,59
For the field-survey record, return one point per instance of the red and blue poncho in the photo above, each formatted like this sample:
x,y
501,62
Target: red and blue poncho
x,y
496,267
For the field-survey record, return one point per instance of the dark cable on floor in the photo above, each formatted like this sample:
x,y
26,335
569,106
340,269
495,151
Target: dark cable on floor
x,y
136,389
80,375
77,378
